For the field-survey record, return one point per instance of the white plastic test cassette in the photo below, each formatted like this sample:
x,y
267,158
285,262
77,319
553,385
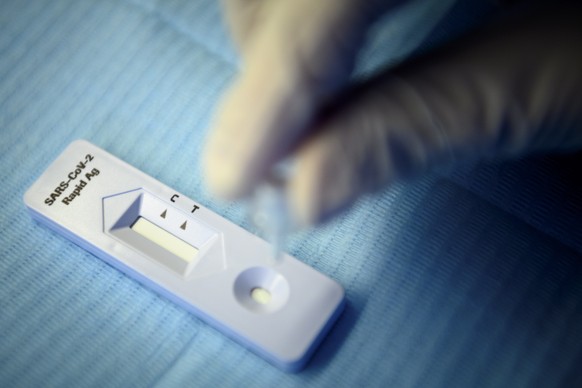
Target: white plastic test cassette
x,y
281,309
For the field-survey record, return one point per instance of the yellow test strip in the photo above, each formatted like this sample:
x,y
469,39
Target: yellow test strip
x,y
164,239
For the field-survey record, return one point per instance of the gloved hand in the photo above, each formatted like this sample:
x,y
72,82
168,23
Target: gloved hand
x,y
511,89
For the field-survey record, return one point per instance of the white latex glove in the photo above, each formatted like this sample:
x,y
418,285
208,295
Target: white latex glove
x,y
512,89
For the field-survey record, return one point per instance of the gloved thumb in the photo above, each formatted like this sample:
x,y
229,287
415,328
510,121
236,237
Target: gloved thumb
x,y
296,53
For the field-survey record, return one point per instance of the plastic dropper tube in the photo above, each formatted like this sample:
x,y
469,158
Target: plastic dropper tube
x,y
270,211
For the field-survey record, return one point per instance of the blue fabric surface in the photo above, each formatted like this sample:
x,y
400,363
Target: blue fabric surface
x,y
469,278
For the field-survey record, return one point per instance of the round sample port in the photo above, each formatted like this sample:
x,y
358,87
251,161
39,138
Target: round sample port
x,y
261,290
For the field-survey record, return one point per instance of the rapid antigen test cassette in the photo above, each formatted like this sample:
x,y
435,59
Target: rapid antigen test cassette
x,y
281,309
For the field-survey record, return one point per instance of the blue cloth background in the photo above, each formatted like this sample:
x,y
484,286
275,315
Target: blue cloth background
x,y
470,278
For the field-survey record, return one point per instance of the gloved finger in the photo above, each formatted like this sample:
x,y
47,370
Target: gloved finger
x,y
513,89
243,17
303,51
